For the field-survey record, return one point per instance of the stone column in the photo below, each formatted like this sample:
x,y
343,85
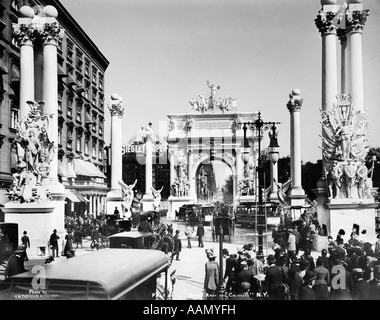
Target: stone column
x,y
239,167
273,175
191,174
50,33
25,35
356,18
117,111
148,168
172,171
294,106
344,67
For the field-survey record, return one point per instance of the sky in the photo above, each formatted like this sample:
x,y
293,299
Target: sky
x,y
162,52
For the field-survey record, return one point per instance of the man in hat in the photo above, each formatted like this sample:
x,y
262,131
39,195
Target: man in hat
x,y
297,279
15,264
306,292
200,233
231,272
177,246
273,279
54,243
211,276
25,243
362,287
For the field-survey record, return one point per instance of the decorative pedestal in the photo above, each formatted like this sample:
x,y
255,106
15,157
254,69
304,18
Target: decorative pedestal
x,y
344,213
147,203
244,199
175,203
38,219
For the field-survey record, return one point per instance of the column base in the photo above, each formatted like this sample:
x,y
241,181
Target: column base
x,y
175,203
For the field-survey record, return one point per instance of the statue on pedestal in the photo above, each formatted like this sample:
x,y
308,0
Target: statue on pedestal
x,y
127,191
282,188
157,198
34,150
334,180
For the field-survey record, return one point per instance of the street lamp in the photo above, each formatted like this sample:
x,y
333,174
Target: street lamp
x,y
259,125
220,289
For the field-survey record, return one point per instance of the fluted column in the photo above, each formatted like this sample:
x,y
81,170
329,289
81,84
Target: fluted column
x,y
294,106
172,171
50,33
117,111
148,168
25,35
356,18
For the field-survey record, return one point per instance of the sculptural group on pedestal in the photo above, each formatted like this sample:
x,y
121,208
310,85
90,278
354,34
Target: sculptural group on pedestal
x,y
34,150
213,102
345,147
181,185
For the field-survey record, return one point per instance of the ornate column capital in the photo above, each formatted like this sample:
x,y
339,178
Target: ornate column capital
x,y
116,109
50,33
295,102
25,34
356,20
325,24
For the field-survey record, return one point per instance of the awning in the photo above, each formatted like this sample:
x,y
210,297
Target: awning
x,y
70,171
86,168
3,197
71,196
75,196
62,170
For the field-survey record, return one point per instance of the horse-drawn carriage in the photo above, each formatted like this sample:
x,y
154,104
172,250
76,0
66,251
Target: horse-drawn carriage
x,y
223,223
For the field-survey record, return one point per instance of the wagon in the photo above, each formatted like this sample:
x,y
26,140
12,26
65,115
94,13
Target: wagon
x,y
225,223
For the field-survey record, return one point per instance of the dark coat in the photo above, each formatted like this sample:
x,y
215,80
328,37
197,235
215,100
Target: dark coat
x,y
361,290
231,268
306,293
15,265
200,230
177,244
273,280
25,241
145,226
54,239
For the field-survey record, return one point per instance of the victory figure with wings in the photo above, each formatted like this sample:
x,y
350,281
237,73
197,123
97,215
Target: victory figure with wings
x,y
127,191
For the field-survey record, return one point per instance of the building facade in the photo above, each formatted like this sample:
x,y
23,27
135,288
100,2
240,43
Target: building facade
x,y
81,73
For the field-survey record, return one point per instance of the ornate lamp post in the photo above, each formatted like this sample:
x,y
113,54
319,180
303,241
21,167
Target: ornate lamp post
x,y
220,290
274,156
259,125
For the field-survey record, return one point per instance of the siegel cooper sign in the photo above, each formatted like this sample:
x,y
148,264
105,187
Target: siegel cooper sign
x,y
140,148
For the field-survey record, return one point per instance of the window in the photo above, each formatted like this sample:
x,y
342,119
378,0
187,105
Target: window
x,y
100,152
87,67
94,75
60,136
101,82
14,118
70,52
79,143
94,149
95,121
70,108
86,147
94,96
79,113
86,92
79,60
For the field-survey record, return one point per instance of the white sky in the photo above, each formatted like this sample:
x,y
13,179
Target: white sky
x,y
161,53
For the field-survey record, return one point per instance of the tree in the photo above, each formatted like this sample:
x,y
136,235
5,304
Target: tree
x,y
228,189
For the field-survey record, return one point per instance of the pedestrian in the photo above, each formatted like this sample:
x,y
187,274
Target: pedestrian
x,y
291,248
116,212
53,242
200,234
188,233
362,287
177,246
306,292
25,242
78,236
95,238
308,257
297,279
15,264
273,280
231,272
211,277
322,281
68,250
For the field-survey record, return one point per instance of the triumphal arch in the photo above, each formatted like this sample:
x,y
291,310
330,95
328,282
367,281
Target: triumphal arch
x,y
211,130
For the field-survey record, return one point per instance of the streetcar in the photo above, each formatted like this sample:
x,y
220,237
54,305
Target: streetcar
x,y
246,217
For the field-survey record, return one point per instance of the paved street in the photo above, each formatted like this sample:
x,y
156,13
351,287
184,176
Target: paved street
x,y
190,270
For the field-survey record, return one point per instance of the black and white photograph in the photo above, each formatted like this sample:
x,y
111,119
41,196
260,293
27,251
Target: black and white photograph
x,y
193,152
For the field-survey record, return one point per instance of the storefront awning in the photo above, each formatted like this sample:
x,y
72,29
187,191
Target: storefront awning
x,y
75,196
71,196
85,168
3,197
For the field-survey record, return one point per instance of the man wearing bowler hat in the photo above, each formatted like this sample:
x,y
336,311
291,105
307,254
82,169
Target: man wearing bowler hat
x,y
273,279
306,292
